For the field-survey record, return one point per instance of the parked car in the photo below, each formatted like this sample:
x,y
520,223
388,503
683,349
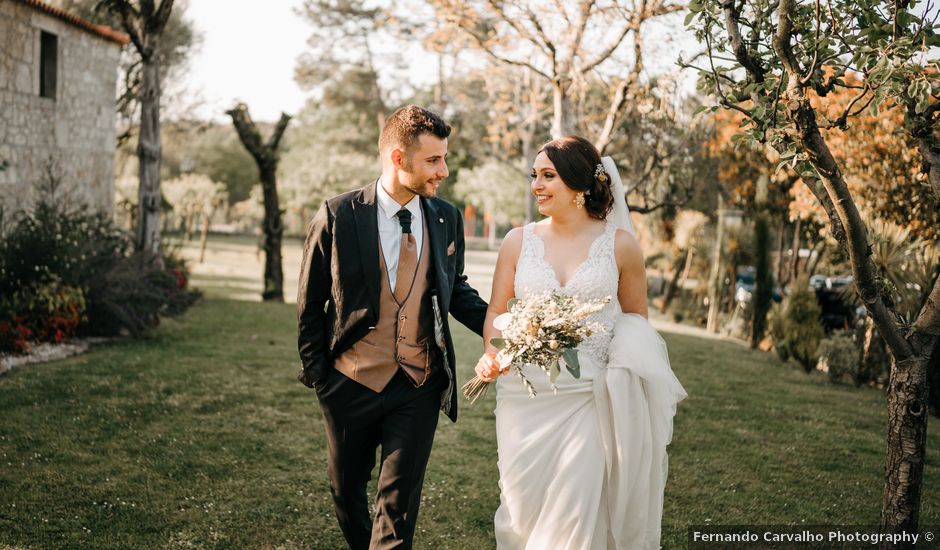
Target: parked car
x,y
744,286
837,313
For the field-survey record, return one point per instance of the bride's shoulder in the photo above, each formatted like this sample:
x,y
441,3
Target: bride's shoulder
x,y
627,248
512,243
511,247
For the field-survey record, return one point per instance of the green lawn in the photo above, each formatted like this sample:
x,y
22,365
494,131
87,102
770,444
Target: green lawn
x,y
200,437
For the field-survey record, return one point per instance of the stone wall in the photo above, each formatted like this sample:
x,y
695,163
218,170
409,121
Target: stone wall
x,y
72,136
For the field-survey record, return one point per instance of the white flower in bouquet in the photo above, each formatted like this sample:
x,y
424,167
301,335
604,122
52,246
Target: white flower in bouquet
x,y
543,330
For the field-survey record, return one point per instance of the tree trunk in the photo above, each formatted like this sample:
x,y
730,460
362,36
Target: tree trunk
x,y
204,237
528,139
273,233
531,84
673,285
813,262
906,441
933,381
688,265
868,342
439,102
778,266
795,250
733,277
266,157
562,123
148,153
188,226
714,281
763,280
491,233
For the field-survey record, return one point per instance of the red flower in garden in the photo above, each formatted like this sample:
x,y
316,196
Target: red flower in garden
x,y
180,278
4,328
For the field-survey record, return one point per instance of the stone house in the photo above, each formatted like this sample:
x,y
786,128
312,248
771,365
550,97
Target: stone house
x,y
58,83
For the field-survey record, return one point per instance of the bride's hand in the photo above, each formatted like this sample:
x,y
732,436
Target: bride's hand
x,y
487,367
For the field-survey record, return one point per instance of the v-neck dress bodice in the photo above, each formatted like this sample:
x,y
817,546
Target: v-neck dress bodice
x,y
595,278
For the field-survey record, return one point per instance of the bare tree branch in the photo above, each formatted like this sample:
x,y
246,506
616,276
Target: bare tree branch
x,y
738,46
162,14
547,47
489,51
584,13
812,65
603,56
275,140
782,39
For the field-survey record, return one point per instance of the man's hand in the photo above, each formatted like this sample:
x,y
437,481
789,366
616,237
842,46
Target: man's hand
x,y
488,368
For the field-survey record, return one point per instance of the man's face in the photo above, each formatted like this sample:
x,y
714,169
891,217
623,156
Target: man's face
x,y
425,166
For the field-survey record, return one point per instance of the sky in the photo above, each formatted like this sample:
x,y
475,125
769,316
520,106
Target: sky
x,y
248,53
250,48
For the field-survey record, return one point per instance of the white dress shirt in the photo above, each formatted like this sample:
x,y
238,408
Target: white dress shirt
x,y
390,229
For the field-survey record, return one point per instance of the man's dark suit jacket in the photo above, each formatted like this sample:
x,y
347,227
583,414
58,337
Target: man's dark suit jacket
x,y
338,295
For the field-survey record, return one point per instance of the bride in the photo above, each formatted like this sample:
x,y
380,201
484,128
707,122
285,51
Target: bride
x,y
584,466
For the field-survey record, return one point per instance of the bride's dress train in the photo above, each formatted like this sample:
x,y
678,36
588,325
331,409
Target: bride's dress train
x,y
585,467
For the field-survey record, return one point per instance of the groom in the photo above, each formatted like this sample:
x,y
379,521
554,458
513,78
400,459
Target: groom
x,y
382,269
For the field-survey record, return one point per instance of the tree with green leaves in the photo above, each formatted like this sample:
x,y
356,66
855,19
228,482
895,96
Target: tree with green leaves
x,y
783,54
343,54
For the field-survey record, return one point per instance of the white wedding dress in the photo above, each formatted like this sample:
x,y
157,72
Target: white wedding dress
x,y
584,468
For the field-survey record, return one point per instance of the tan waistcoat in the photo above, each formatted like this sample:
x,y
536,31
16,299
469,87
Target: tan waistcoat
x,y
403,335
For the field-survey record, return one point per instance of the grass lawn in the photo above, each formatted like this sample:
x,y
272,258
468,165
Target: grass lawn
x,y
200,437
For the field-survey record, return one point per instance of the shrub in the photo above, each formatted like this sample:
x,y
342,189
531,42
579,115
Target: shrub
x,y
15,335
72,244
45,311
51,309
174,262
875,363
130,296
841,354
802,331
690,304
64,270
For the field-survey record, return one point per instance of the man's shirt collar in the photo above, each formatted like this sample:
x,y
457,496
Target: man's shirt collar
x,y
390,206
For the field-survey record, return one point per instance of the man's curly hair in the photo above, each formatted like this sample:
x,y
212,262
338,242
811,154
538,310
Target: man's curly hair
x,y
406,124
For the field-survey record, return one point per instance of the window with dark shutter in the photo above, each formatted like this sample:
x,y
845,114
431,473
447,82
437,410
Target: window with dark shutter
x,y
48,57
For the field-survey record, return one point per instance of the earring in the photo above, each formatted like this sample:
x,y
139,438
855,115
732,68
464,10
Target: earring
x,y
579,200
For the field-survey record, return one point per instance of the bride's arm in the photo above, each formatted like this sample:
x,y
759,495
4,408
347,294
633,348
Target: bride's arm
x,y
503,291
631,289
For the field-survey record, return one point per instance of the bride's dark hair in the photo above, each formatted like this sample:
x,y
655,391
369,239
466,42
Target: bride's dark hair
x,y
576,161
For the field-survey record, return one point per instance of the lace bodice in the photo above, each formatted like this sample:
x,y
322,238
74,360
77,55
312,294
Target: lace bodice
x,y
595,278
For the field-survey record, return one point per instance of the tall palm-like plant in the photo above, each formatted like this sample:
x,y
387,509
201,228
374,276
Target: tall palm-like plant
x,y
908,266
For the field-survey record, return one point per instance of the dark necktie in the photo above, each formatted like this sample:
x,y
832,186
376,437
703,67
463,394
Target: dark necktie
x,y
407,257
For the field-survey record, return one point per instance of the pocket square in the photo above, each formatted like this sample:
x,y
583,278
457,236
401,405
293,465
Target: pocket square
x,y
451,248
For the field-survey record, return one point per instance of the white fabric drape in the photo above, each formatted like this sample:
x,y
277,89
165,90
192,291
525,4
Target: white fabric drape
x,y
636,401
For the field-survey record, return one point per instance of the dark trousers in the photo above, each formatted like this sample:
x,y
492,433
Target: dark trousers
x,y
402,420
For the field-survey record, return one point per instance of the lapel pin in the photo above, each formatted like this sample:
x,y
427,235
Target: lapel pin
x,y
441,220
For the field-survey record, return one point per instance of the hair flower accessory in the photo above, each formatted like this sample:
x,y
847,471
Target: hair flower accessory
x,y
599,174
